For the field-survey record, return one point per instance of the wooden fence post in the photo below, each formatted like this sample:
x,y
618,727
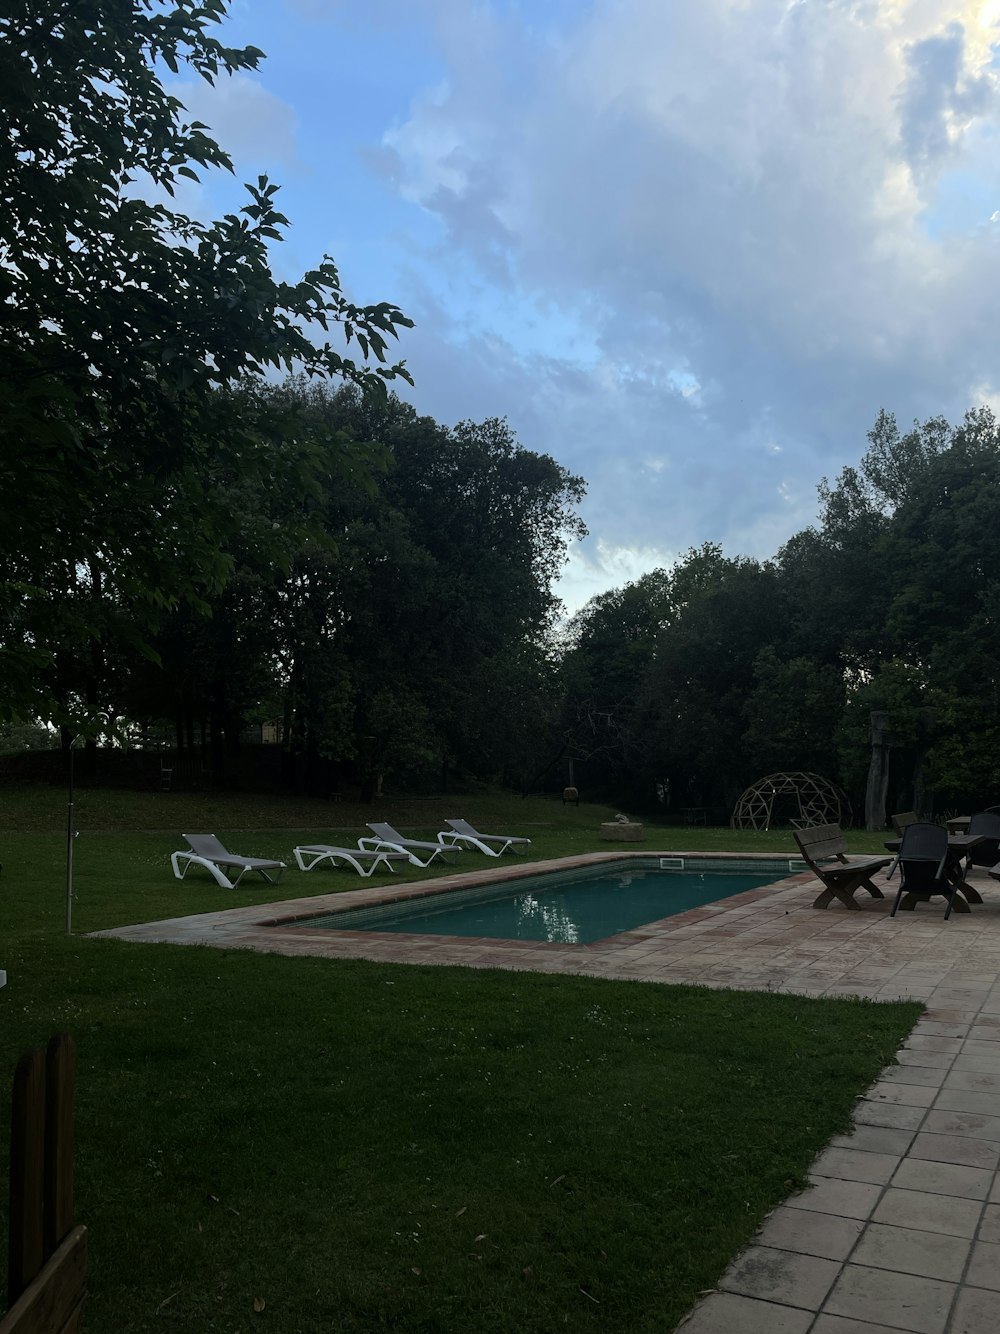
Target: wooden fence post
x,y
60,1080
46,1274
27,1147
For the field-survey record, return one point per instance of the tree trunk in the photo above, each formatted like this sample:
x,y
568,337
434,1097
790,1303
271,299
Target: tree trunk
x,y
920,804
878,773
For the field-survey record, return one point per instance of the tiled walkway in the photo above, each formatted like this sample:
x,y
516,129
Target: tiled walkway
x,y
901,1228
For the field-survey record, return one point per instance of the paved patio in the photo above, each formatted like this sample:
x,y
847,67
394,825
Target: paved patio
x,y
900,1229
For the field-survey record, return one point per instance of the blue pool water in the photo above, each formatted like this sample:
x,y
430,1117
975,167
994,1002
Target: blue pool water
x,y
573,907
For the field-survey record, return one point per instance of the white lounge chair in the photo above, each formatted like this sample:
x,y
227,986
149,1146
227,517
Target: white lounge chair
x,y
463,832
207,851
356,857
393,841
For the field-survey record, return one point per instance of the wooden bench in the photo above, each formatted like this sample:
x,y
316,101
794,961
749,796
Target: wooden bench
x,y
843,876
47,1261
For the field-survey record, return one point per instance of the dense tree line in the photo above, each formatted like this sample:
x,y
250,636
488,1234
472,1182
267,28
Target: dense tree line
x,y
134,342
185,541
410,630
694,682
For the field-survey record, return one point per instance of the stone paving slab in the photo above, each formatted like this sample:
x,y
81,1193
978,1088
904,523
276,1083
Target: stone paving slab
x,y
911,1252
727,1313
901,1301
899,1229
976,1312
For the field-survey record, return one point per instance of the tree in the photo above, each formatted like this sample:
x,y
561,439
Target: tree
x,y
125,324
439,606
793,713
610,649
727,611
413,612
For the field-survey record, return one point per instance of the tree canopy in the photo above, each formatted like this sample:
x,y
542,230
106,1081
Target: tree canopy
x,y
127,325
892,602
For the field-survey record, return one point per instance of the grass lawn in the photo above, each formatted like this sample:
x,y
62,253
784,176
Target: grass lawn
x,y
372,1147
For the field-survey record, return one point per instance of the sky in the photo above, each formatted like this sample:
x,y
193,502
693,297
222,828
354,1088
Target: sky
x,y
687,249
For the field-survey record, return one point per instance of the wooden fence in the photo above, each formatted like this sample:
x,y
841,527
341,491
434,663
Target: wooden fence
x,y
46,1274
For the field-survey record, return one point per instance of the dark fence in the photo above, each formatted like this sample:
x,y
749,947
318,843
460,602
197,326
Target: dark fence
x,y
47,1259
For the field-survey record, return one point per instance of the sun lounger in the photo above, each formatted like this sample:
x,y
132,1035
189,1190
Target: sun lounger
x,y
461,831
393,841
207,851
359,858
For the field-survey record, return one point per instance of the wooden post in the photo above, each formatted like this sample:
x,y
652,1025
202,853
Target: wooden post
x,y
41,1163
60,1077
878,772
26,1253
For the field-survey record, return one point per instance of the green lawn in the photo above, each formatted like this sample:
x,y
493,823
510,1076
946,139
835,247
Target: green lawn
x,y
365,1147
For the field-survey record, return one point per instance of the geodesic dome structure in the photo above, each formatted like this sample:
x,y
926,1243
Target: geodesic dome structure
x,y
799,799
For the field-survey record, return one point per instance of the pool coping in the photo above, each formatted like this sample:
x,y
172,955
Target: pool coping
x,y
456,884
769,938
263,927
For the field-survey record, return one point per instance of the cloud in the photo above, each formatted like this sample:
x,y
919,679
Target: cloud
x,y
594,567
255,127
939,98
727,204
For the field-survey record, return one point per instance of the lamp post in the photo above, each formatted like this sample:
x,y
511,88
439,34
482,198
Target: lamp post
x,y
69,842
104,720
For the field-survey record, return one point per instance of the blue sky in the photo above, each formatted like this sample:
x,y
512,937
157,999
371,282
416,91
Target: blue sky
x,y
688,250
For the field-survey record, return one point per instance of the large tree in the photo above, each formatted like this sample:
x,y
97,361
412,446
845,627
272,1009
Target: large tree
x,y
414,613
125,324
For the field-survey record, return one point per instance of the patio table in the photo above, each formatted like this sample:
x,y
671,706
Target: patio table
x,y
959,847
959,824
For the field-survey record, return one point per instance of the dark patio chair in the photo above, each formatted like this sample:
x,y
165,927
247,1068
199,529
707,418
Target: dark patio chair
x,y
986,823
902,819
922,863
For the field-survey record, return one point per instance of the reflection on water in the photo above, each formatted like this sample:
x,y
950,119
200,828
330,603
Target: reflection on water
x,y
552,914
555,916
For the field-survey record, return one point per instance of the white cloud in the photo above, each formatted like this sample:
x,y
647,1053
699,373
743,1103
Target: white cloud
x,y
732,200
688,249
594,567
255,127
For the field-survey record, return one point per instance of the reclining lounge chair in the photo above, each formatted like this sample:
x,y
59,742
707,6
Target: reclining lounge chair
x,y
207,851
461,831
359,858
391,840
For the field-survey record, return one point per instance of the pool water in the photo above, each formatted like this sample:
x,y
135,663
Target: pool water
x,y
572,907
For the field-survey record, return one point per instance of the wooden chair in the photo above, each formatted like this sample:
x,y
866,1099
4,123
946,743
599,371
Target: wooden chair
x,y
844,876
904,818
986,854
46,1273
923,869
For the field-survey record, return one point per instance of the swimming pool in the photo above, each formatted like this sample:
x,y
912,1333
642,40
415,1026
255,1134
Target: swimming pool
x,y
569,907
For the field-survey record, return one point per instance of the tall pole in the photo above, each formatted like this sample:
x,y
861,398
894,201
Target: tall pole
x,y
69,845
